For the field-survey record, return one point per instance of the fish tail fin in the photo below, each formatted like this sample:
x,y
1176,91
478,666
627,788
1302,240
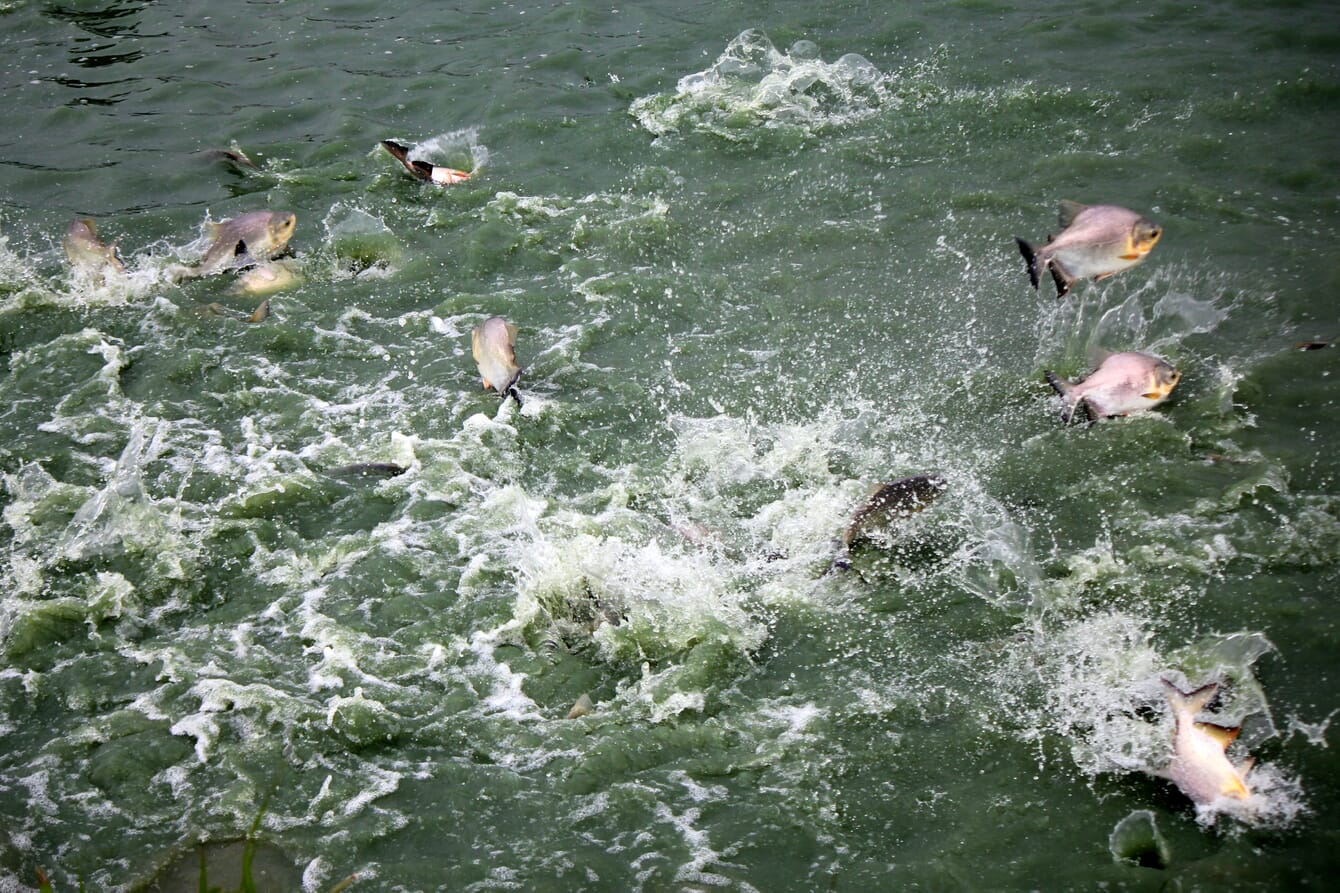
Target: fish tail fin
x,y
400,152
1031,259
1191,701
261,312
514,394
1063,387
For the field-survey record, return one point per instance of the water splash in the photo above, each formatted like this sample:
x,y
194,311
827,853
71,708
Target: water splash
x,y
753,85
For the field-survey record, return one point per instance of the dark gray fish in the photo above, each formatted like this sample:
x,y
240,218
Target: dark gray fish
x,y
890,502
368,470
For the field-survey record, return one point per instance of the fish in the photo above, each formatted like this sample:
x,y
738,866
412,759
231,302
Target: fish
x,y
1200,766
583,706
368,470
493,345
243,241
1122,383
890,502
261,312
86,252
232,155
266,278
422,170
1095,242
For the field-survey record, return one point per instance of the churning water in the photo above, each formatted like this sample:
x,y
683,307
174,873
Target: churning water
x,y
761,258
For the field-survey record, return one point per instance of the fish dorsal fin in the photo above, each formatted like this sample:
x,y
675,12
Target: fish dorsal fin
x,y
1223,735
1069,211
422,169
1099,355
511,331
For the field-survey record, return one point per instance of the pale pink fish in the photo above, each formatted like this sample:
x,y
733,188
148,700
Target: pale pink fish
x,y
493,345
87,252
1122,384
1200,766
1096,241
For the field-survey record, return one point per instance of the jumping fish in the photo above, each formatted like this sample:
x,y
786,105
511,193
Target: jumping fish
x,y
1200,766
244,240
86,252
493,345
1123,383
900,499
1096,241
422,170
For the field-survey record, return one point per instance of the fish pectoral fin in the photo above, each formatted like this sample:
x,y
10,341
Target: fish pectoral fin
x,y
1222,735
487,384
1152,395
1127,257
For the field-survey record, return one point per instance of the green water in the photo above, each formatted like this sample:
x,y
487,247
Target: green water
x,y
761,257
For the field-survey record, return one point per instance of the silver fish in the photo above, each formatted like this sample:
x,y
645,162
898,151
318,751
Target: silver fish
x,y
1096,241
244,240
86,252
1200,766
1123,383
890,502
422,170
493,345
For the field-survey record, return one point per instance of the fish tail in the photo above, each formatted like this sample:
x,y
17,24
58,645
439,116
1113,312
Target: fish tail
x,y
1191,701
1031,259
400,152
1064,388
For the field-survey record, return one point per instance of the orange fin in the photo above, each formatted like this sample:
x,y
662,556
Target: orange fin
x,y
1221,734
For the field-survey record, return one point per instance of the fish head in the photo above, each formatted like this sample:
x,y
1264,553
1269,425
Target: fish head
x,y
1162,379
279,229
1144,236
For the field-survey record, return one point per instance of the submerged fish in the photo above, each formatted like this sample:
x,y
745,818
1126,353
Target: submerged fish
x,y
1096,241
422,170
244,240
266,278
369,470
890,502
1200,766
232,155
583,706
493,345
261,312
86,252
1123,383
